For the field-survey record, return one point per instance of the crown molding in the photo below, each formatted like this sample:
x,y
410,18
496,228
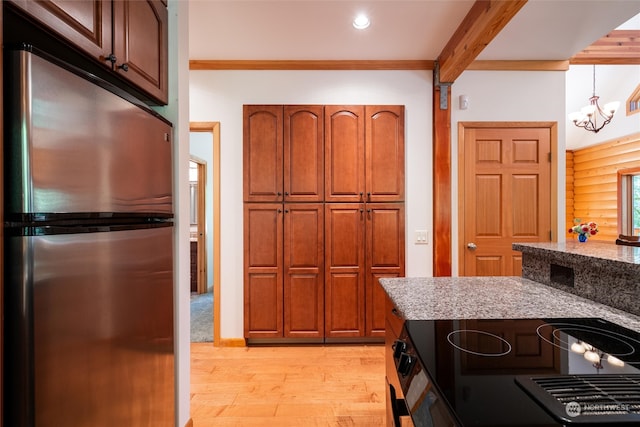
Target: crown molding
x,y
204,64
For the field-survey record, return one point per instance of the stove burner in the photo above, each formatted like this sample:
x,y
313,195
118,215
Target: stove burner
x,y
622,345
473,331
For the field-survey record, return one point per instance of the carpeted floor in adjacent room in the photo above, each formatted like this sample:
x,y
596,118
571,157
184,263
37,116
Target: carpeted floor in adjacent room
x,y
202,317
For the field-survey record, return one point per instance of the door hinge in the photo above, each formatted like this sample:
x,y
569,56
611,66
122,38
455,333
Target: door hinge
x,y
549,157
551,235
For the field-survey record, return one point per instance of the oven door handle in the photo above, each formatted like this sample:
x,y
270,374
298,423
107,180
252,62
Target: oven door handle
x,y
398,406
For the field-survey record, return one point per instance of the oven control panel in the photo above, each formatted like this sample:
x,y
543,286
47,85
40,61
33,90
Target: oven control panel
x,y
423,401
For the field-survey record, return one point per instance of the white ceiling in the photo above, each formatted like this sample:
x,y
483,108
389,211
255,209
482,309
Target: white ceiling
x,y
400,29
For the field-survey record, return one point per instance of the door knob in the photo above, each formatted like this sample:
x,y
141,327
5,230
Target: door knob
x,y
472,246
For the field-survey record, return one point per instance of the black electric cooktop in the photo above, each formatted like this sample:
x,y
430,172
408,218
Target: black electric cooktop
x,y
516,372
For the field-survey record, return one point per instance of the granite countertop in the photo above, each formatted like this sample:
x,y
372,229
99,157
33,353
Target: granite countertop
x,y
493,298
626,257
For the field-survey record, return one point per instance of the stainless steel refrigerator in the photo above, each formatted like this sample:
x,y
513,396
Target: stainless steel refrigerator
x,y
88,261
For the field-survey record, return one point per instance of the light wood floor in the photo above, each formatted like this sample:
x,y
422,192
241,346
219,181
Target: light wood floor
x,y
287,386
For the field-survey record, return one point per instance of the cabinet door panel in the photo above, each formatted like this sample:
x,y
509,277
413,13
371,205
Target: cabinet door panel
x,y
263,302
304,153
262,152
344,288
304,270
385,258
140,30
86,24
344,153
384,153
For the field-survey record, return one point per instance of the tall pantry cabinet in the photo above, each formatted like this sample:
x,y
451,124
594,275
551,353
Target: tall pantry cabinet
x,y
323,219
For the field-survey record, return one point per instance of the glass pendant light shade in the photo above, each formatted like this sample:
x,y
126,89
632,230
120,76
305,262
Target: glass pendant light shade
x,y
611,107
578,347
615,361
592,356
588,110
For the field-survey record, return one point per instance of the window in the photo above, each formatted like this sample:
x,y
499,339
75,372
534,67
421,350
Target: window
x,y
629,201
633,103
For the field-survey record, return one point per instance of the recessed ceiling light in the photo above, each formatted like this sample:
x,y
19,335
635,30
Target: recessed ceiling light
x,y
361,22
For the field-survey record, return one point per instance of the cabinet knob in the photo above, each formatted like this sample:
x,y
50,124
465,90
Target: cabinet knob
x,y
405,364
286,193
279,194
111,58
369,195
398,347
472,246
124,67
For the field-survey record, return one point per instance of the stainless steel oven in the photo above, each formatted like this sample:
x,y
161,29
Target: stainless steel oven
x,y
515,372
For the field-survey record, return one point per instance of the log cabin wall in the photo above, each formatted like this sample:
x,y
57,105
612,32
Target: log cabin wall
x,y
592,188
569,192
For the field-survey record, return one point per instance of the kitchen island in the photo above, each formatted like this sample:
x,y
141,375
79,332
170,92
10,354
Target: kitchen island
x,y
599,271
489,344
436,298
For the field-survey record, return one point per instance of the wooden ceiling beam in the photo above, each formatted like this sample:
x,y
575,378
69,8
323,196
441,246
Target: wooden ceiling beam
x,y
618,47
485,20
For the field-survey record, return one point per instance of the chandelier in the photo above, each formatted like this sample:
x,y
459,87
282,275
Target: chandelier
x,y
595,356
589,115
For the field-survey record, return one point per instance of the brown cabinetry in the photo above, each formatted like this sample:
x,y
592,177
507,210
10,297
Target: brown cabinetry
x,y
324,218
364,153
384,258
284,270
194,266
303,270
128,37
345,275
263,255
364,242
283,153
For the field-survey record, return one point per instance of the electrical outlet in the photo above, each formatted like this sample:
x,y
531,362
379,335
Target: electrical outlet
x,y
421,237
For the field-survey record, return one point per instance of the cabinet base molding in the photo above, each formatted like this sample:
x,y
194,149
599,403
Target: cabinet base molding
x,y
231,342
320,341
355,340
288,341
189,423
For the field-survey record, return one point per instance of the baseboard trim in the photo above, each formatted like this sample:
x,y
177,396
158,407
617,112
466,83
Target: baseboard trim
x,y
231,342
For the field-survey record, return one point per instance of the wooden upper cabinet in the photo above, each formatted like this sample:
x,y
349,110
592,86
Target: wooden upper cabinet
x,y
344,153
140,45
384,150
86,24
129,37
364,153
303,153
283,153
262,153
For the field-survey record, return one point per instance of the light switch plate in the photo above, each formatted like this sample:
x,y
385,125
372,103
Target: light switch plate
x,y
421,237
